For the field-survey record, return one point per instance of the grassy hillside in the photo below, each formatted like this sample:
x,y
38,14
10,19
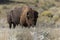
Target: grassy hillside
x,y
48,23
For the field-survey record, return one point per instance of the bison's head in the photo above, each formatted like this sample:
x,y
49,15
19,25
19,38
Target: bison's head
x,y
32,15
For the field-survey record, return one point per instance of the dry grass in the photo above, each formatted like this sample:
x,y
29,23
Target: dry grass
x,y
45,25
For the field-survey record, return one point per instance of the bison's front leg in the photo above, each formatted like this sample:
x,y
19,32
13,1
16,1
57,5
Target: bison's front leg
x,y
32,25
10,25
28,25
21,24
14,25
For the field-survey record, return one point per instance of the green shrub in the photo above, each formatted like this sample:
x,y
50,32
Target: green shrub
x,y
56,17
47,13
5,7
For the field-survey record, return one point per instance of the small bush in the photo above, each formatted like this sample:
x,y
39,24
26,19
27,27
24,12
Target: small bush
x,y
5,7
55,18
47,13
24,36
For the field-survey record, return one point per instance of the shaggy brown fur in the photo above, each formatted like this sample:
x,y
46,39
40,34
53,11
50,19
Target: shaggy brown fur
x,y
13,17
23,15
28,16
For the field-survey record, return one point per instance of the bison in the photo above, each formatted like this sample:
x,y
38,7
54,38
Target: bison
x,y
28,16
13,17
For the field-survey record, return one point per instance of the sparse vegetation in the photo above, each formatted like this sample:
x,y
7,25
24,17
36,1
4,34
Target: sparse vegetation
x,y
49,13
24,36
55,18
5,7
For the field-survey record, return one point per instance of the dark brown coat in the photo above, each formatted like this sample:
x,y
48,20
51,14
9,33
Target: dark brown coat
x,y
13,17
28,16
